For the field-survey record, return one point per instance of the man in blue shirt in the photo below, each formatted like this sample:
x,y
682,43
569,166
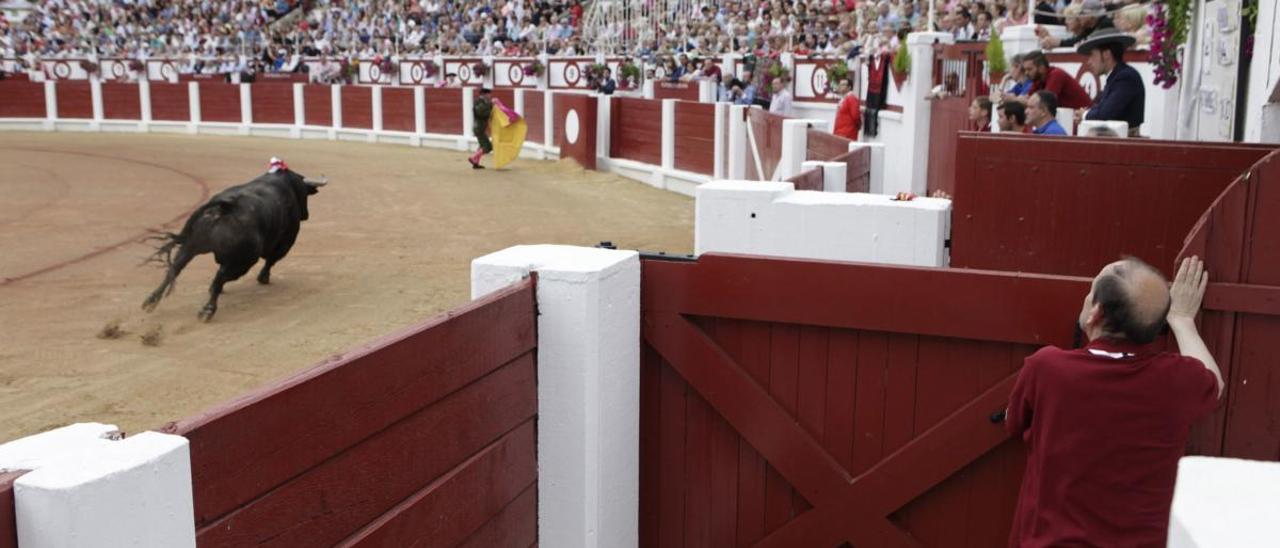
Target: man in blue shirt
x,y
1040,112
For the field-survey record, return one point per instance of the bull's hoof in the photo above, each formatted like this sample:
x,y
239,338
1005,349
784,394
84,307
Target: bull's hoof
x,y
264,278
206,313
149,305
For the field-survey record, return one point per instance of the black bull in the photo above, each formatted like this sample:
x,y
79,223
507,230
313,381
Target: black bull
x,y
258,219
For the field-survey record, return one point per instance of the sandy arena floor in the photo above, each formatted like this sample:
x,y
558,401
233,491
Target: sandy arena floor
x,y
389,243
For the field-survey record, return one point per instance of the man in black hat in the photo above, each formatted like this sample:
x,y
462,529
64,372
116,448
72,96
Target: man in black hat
x,y
480,113
1124,96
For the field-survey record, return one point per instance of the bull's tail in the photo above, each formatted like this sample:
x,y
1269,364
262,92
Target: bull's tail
x,y
165,244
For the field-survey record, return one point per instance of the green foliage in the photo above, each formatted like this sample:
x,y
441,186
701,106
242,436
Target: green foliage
x,y
630,71
836,72
996,63
902,59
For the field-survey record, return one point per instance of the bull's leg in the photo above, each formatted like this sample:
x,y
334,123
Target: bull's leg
x,y
170,276
226,273
264,275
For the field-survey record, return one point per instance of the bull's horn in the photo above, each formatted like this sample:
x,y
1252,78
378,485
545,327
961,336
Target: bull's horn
x,y
324,180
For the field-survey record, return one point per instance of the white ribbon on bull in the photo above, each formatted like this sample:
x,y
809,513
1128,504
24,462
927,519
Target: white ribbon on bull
x,y
276,164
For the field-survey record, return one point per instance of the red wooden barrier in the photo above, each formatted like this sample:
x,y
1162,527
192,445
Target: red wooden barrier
x,y
857,169
220,102
687,91
272,103
75,99
1239,239
444,111
576,109
8,520
21,99
533,115
424,437
282,77
170,102
809,179
357,107
824,146
398,110
121,101
695,137
1070,206
948,117
636,130
767,129
317,105
834,412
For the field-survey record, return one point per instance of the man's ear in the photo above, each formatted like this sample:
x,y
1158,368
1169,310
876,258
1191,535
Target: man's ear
x,y
1095,316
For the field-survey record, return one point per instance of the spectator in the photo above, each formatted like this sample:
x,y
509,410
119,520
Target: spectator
x,y
1016,83
1124,97
1105,425
780,102
962,28
1044,77
1041,109
848,112
1132,20
607,85
1093,16
746,94
980,114
1013,117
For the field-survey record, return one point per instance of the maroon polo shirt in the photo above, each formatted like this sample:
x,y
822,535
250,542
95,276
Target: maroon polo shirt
x,y
1104,426
1070,93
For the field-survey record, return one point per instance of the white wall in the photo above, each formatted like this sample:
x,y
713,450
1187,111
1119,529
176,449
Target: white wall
x,y
760,218
1225,503
1264,77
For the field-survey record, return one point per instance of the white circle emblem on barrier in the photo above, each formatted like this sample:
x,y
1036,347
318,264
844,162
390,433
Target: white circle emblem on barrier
x,y
571,127
417,73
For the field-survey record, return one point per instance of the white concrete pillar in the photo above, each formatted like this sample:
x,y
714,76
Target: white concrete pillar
x,y
719,165
144,100
604,109
336,97
87,487
588,388
519,98
646,89
795,143
834,174
1225,502
299,107
668,134
1067,118
419,111
707,91
729,63
736,154
246,108
468,120
911,165
95,96
548,118
1019,39
193,103
376,103
876,184
50,104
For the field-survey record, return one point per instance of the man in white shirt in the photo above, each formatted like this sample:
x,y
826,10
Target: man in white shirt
x,y
781,102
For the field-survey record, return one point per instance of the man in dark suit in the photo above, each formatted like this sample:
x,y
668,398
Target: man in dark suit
x,y
1124,95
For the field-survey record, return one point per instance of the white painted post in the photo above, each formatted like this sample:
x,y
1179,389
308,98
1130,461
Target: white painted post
x,y
193,103
834,174
588,388
419,114
519,98
376,106
719,164
88,488
246,108
468,119
1019,39
144,101
737,156
795,142
50,104
646,89
707,91
911,169
299,109
548,118
95,95
876,184
604,109
336,98
668,134
1225,502
1067,118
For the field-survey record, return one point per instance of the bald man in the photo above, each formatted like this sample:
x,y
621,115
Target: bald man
x,y
1105,425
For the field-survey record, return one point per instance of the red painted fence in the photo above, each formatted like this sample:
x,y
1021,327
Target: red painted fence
x,y
767,129
425,437
695,149
636,130
21,99
1072,205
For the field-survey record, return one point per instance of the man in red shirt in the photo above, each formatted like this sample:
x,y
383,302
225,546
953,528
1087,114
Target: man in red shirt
x,y
1069,92
1105,425
848,113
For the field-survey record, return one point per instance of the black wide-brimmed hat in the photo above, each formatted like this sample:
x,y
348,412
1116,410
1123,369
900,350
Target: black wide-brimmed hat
x,y
1105,36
